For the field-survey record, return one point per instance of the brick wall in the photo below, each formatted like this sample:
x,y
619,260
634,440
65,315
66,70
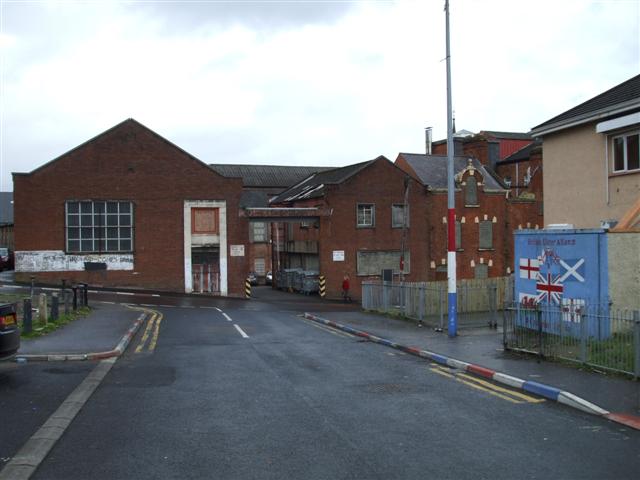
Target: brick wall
x,y
128,162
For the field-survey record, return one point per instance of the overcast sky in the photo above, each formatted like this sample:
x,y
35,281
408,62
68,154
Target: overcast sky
x,y
298,82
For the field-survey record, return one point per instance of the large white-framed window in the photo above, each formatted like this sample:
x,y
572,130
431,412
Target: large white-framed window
x,y
365,215
626,152
99,226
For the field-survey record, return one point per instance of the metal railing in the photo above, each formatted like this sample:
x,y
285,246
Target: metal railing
x,y
590,334
478,301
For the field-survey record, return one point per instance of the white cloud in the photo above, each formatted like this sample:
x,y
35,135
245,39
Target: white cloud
x,y
328,84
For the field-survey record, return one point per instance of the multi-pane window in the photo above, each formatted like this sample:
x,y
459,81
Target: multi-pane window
x,y
626,154
486,234
398,215
258,232
99,226
366,215
458,235
259,266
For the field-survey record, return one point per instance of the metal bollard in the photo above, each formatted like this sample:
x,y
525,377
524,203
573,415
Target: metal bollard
x,y
42,308
27,322
75,297
65,299
247,288
85,294
55,312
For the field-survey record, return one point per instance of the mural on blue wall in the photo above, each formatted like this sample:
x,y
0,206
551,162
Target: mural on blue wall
x,y
563,271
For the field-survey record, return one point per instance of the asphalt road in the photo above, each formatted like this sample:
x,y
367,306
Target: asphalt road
x,y
231,389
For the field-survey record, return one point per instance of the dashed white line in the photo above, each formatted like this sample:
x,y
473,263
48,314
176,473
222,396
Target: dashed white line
x,y
244,335
211,308
147,305
155,295
218,309
104,301
125,293
227,317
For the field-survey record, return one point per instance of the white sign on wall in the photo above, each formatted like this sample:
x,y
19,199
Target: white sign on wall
x,y
237,250
338,255
58,261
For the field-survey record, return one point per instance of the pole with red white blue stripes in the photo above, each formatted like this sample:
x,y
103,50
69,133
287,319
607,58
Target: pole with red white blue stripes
x,y
451,200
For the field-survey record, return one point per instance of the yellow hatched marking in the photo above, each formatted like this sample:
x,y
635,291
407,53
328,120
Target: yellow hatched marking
x,y
145,335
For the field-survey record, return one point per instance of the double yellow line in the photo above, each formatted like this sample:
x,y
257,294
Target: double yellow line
x,y
151,331
479,384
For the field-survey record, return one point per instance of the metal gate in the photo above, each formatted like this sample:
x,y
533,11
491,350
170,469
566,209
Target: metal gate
x,y
206,278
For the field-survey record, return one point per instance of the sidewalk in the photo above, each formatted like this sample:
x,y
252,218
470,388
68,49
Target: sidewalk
x,y
100,331
484,347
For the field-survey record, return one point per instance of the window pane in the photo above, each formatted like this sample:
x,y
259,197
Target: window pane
x,y
85,207
125,245
73,207
633,160
397,216
86,220
86,232
73,220
74,245
618,154
365,215
86,245
125,207
112,232
73,233
112,207
125,232
98,232
112,245
112,220
100,245
98,207
125,220
98,219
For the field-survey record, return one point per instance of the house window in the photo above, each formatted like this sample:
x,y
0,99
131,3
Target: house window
x,y
258,232
204,221
486,235
626,155
258,265
481,270
458,235
397,215
471,191
366,215
99,226
507,181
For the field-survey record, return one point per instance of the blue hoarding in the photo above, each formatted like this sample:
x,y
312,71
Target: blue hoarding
x,y
563,271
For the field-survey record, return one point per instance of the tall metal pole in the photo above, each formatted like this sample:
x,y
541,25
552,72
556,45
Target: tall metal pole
x,y
451,200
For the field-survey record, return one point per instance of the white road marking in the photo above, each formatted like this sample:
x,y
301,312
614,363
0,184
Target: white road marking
x,y
218,309
147,305
211,308
244,335
155,295
103,301
125,293
227,317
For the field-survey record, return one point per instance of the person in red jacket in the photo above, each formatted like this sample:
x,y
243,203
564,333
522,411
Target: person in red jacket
x,y
345,289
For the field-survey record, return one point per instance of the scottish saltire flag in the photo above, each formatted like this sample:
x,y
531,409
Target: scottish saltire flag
x,y
529,268
572,270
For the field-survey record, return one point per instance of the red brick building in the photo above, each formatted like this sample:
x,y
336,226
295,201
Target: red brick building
x,y
363,230
129,208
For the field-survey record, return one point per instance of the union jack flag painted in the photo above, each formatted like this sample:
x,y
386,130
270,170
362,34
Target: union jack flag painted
x,y
549,288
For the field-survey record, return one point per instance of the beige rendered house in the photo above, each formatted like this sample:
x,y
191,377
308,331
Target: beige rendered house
x,y
592,160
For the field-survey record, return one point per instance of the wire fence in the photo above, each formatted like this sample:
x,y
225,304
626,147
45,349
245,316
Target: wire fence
x,y
590,334
478,301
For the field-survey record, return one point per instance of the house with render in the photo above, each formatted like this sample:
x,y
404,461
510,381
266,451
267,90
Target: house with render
x,y
591,158
128,208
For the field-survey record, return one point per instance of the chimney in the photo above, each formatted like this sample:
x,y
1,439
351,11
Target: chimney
x,y
428,138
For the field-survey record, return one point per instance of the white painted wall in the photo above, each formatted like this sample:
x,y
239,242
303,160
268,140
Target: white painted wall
x,y
198,240
58,261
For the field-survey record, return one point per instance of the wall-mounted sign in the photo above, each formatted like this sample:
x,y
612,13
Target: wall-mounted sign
x,y
237,250
338,255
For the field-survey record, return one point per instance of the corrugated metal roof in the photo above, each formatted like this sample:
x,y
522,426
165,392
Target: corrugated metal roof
x,y
506,135
314,185
280,176
432,169
627,91
523,154
6,207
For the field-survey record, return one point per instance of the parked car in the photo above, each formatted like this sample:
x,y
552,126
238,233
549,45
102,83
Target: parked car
x,y
253,278
269,278
9,332
6,259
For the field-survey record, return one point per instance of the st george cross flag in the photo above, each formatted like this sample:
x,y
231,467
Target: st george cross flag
x,y
529,267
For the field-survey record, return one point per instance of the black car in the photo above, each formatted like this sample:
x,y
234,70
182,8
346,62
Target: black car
x,y
6,259
9,332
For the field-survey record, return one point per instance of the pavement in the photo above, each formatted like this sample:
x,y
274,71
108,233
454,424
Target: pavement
x,y
106,331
